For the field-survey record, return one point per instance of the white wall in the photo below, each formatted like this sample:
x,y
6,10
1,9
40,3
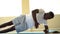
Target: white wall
x,y
10,8
47,5
14,7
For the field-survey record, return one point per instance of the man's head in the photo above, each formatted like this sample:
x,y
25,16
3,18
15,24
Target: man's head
x,y
48,15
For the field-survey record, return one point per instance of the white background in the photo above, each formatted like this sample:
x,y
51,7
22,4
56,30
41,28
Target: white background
x,y
10,8
47,5
14,7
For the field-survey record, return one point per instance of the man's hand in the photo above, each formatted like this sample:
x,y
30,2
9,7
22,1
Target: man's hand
x,y
36,25
46,31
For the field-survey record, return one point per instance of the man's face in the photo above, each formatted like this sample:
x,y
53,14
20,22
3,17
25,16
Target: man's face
x,y
47,16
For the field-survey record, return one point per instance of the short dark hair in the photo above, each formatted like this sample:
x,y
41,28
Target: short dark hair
x,y
52,14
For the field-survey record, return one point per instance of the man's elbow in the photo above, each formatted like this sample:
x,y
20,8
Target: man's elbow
x,y
35,11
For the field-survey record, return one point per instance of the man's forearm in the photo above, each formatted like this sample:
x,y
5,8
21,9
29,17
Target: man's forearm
x,y
34,17
46,29
34,12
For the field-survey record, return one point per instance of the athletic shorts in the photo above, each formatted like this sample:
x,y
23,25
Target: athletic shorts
x,y
20,23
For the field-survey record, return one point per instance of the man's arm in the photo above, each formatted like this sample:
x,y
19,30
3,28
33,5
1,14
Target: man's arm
x,y
46,29
34,12
8,30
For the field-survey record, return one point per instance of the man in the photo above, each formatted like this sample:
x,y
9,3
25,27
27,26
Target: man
x,y
40,17
25,22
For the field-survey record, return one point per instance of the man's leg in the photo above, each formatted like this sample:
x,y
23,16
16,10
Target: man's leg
x,y
6,24
8,30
